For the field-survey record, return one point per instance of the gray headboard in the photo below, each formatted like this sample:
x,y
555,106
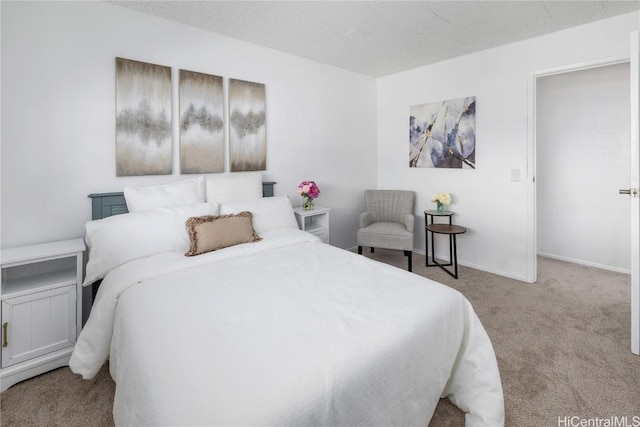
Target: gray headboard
x,y
108,204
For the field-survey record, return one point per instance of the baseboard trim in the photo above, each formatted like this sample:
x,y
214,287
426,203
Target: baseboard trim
x,y
445,256
587,263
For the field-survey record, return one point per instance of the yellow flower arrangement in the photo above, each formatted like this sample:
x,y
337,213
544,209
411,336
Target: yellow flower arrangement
x,y
444,198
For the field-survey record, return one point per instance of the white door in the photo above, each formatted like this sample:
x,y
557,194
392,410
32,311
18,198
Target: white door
x,y
633,192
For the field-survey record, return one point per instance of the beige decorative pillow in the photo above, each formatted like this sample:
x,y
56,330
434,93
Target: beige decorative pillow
x,y
209,233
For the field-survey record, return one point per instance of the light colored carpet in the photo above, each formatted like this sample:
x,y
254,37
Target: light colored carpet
x,y
562,346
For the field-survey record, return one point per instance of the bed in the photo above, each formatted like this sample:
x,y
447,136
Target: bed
x,y
281,330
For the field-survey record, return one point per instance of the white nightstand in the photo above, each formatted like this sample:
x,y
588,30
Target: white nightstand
x,y
314,221
41,308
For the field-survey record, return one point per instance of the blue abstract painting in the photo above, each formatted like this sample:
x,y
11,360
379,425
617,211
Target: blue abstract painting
x,y
443,134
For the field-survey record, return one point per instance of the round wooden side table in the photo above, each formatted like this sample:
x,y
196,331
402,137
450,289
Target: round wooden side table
x,y
452,231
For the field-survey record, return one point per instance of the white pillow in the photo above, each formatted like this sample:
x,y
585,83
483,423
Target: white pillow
x,y
234,187
118,239
186,192
269,213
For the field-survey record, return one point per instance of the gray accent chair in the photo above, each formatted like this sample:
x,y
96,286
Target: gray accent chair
x,y
388,222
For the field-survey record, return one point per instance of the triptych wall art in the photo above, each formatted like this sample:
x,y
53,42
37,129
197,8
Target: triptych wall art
x,y
247,130
143,118
144,126
443,134
201,123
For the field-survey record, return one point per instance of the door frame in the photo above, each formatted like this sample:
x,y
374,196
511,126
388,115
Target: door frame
x,y
634,52
532,241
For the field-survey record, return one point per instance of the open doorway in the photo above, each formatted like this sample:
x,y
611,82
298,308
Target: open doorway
x,y
582,159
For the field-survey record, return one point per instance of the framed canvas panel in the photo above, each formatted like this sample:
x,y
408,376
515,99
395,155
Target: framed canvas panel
x,y
443,134
247,126
143,118
201,123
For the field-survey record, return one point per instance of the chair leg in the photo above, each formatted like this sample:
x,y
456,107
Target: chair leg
x,y
371,250
359,250
409,255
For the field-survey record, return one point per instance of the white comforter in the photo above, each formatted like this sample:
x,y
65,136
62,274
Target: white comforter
x,y
286,331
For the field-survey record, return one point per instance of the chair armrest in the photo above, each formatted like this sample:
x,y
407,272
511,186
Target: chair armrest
x,y
366,219
409,220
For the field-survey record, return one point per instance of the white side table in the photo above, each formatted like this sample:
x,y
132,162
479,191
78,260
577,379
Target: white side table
x,y
41,308
314,221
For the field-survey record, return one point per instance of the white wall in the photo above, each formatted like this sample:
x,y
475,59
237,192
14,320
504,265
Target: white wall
x,y
58,114
58,125
486,200
582,159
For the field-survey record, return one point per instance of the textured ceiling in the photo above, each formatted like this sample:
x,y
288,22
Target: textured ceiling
x,y
378,38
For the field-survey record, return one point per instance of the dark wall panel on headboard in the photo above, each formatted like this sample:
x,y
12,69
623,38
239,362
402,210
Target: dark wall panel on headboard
x,y
107,204
104,205
267,189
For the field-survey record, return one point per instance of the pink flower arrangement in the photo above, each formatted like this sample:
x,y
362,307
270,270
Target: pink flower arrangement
x,y
308,189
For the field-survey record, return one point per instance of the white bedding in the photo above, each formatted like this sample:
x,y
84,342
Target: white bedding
x,y
286,331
